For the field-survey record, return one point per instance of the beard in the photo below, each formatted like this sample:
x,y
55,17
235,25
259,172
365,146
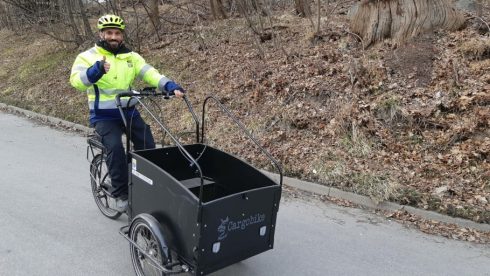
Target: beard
x,y
114,44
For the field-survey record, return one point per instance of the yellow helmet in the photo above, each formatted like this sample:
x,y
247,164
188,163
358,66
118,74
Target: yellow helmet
x,y
110,21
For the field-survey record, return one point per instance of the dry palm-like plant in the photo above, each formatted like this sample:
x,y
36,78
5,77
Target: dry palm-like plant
x,y
375,20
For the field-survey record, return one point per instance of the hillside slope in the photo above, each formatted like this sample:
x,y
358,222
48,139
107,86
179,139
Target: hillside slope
x,y
407,123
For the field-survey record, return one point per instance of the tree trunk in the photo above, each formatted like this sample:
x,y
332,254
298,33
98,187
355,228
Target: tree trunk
x,y
88,30
3,16
400,20
73,24
153,13
218,9
303,7
10,17
117,7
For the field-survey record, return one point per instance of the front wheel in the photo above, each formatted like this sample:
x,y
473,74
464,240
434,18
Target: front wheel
x,y
99,177
144,233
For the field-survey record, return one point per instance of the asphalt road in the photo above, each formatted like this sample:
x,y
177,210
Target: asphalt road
x,y
51,226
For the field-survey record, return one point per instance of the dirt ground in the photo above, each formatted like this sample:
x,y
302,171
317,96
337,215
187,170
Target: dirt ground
x,y
408,123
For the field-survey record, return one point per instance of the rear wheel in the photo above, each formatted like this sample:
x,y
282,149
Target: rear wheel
x,y
99,178
145,237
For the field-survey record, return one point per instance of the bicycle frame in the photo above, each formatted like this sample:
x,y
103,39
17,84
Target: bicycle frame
x,y
94,145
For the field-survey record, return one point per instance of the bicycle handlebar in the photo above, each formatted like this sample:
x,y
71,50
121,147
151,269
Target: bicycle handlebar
x,y
146,92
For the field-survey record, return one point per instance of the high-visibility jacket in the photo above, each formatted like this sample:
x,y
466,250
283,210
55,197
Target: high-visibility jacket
x,y
125,68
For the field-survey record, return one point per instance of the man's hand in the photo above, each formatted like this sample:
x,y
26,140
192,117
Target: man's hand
x,y
174,89
96,71
178,93
106,64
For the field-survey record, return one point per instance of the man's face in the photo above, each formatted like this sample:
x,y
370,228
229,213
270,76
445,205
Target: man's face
x,y
113,36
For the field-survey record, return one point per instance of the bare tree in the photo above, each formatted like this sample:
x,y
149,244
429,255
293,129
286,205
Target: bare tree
x,y
73,24
303,7
153,13
86,24
217,9
4,17
309,14
54,18
115,6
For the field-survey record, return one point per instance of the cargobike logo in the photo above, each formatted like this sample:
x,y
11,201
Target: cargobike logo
x,y
228,225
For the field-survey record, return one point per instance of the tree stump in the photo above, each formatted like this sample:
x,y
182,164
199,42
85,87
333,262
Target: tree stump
x,y
375,20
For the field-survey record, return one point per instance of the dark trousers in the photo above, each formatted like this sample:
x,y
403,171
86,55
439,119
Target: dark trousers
x,y
111,132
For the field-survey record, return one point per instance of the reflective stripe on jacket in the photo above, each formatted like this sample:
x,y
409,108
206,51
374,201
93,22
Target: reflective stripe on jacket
x,y
125,68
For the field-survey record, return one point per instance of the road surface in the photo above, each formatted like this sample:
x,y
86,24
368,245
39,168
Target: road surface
x,y
50,224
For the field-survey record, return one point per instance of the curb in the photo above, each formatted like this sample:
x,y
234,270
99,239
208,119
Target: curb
x,y
44,118
299,184
368,203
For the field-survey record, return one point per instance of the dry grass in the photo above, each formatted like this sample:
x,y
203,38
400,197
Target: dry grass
x,y
389,110
330,170
378,187
476,48
356,142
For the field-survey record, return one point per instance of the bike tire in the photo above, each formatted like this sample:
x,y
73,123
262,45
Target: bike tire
x,y
143,234
99,174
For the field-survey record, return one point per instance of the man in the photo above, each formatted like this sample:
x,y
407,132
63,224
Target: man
x,y
104,71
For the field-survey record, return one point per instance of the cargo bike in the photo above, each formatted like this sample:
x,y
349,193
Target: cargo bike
x,y
192,208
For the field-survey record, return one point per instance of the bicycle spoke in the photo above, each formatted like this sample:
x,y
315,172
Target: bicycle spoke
x,y
145,240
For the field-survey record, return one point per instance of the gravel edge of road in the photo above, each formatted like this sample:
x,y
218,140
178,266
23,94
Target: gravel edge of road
x,y
292,182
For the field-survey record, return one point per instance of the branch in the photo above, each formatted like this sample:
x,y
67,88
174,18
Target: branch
x,y
151,20
182,7
99,4
337,5
243,9
42,31
18,5
356,35
484,22
274,36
